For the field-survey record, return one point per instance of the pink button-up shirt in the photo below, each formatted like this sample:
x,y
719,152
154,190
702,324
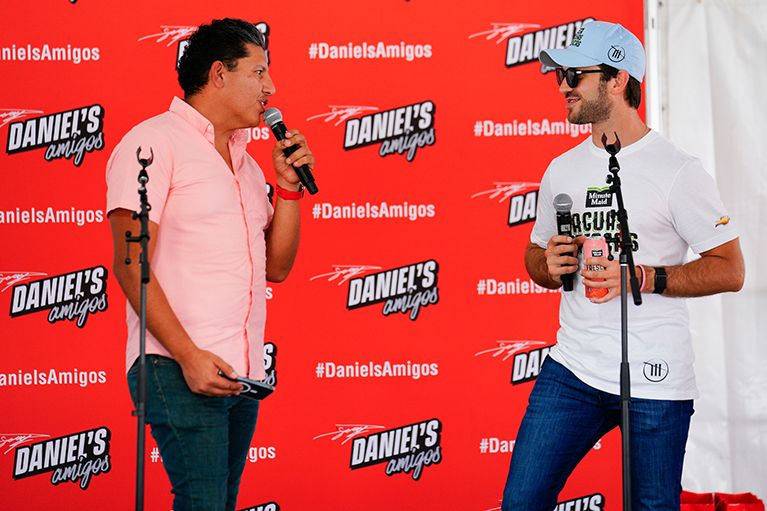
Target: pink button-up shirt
x,y
210,252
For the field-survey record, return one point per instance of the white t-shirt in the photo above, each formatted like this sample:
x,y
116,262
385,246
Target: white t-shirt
x,y
672,204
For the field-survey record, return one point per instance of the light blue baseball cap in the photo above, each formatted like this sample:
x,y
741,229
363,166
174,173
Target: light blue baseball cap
x,y
600,42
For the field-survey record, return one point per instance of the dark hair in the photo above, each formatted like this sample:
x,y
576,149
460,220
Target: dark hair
x,y
223,40
633,92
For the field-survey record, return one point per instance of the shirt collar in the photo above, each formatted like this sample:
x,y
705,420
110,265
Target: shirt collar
x,y
200,123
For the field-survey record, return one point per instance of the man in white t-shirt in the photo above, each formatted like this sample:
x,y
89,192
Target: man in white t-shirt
x,y
673,205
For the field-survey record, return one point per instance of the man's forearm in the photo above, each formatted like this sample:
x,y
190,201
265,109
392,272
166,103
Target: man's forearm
x,y
282,239
535,263
719,270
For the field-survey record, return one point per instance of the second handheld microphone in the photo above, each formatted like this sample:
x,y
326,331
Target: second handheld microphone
x,y
563,204
273,119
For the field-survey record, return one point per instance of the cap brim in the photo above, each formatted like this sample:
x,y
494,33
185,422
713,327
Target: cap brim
x,y
566,58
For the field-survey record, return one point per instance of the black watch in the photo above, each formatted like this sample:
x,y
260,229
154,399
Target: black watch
x,y
660,280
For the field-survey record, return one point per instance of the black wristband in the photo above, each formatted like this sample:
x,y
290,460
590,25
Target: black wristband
x,y
660,280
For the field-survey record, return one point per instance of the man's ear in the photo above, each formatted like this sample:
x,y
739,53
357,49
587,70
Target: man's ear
x,y
216,74
620,82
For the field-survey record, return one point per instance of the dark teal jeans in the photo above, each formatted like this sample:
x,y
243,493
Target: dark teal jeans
x,y
203,441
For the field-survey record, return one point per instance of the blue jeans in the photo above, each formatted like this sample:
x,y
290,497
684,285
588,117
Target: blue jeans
x,y
563,421
204,441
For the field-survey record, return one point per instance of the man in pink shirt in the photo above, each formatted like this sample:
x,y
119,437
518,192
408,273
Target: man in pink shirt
x,y
214,241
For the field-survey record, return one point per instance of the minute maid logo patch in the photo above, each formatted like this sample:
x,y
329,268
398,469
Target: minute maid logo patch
x,y
599,197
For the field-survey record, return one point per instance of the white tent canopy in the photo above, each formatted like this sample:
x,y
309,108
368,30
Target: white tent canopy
x,y
707,65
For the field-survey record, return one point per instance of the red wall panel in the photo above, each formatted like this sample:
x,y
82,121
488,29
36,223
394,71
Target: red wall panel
x,y
457,195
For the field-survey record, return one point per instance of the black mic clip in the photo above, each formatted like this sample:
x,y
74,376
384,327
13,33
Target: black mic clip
x,y
142,215
612,150
143,177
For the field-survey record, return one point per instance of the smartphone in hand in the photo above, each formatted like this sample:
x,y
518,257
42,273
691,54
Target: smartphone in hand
x,y
252,389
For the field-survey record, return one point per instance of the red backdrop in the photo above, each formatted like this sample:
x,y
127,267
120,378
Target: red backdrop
x,y
447,381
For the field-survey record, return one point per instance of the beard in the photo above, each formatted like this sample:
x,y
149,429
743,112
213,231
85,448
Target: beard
x,y
593,111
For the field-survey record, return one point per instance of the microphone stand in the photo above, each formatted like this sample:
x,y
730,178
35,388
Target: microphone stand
x,y
141,381
627,266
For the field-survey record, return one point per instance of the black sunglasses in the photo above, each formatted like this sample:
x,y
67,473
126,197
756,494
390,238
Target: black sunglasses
x,y
572,75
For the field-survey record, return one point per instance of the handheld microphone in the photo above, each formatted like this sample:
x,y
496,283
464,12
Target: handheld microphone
x,y
563,203
273,119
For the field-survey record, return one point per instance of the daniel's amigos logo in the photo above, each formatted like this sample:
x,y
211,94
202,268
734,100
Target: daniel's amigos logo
x,y
593,502
401,130
270,363
182,33
523,46
523,200
71,296
405,289
269,506
406,449
69,134
72,458
526,363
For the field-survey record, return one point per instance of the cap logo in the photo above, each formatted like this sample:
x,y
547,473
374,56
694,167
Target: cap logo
x,y
616,53
577,39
